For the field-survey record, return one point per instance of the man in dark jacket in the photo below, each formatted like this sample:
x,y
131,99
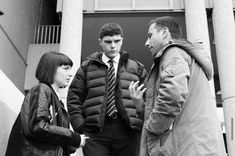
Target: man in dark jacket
x,y
99,101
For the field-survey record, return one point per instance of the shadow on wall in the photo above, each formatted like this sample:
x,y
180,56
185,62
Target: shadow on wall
x,y
7,119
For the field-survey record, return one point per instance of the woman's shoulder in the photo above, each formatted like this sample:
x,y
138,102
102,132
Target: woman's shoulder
x,y
41,88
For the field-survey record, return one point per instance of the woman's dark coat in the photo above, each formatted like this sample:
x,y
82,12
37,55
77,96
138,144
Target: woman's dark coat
x,y
42,127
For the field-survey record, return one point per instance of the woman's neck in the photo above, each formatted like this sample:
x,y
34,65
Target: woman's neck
x,y
55,87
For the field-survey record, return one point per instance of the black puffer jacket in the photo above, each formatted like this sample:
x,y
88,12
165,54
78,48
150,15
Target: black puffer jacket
x,y
87,93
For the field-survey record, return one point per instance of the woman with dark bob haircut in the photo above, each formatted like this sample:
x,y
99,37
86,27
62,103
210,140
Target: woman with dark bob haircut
x,y
42,126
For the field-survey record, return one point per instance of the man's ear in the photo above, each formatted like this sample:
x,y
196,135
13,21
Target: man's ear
x,y
165,32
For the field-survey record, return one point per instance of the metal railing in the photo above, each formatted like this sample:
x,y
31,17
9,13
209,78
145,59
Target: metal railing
x,y
47,34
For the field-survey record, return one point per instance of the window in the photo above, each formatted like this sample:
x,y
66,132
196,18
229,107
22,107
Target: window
x,y
113,4
153,4
133,5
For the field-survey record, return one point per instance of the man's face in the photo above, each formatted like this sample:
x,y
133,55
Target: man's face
x,y
155,41
111,45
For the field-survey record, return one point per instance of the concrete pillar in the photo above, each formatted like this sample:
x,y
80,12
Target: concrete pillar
x,y
71,35
71,32
197,27
224,32
71,38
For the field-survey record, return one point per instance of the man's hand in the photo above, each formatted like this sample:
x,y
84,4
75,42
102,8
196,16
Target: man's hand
x,y
136,92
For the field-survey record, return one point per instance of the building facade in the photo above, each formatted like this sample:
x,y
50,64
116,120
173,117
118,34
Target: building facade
x,y
30,28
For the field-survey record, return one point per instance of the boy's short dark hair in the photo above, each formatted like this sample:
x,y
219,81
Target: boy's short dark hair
x,y
170,23
110,29
48,65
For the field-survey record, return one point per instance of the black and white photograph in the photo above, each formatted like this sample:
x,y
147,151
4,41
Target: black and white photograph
x,y
117,78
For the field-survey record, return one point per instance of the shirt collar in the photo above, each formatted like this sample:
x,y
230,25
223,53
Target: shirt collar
x,y
115,59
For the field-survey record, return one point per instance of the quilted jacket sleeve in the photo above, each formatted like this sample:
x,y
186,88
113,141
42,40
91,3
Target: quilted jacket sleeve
x,y
172,93
76,96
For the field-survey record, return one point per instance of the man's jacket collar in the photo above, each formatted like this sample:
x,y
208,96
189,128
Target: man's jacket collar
x,y
195,50
97,56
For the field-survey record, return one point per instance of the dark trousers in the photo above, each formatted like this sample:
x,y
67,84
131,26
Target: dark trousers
x,y
116,139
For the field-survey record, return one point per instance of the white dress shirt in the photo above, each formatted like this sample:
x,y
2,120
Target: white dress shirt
x,y
116,59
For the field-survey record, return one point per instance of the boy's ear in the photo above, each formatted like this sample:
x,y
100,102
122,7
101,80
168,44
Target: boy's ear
x,y
99,41
122,40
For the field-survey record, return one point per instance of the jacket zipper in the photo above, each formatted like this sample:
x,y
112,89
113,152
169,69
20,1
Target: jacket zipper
x,y
103,107
120,97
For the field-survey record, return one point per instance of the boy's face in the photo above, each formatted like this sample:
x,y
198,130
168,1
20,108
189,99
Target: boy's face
x,y
111,45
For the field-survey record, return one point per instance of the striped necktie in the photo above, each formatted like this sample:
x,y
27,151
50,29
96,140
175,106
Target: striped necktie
x,y
111,108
